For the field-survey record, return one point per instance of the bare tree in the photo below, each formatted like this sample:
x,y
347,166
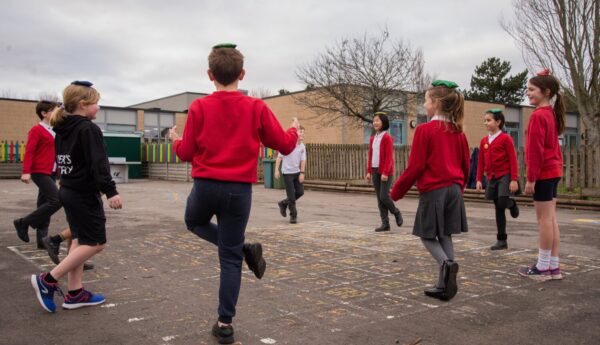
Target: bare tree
x,y
357,77
7,93
564,35
261,92
49,96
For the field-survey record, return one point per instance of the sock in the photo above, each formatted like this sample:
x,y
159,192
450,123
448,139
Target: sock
x,y
554,262
56,239
50,279
74,293
543,263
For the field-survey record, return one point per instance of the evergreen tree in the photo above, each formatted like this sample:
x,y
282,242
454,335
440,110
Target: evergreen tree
x,y
490,83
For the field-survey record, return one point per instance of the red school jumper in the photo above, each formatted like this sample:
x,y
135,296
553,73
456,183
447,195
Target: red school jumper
x,y
498,158
222,136
39,151
543,156
386,155
439,157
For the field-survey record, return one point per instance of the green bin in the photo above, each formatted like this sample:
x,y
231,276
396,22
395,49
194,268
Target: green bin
x,y
268,167
279,183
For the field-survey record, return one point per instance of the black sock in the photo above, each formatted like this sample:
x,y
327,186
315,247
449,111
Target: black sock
x,y
74,293
56,239
50,279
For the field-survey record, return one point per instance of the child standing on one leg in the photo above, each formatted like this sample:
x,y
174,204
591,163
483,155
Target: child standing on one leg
x,y
221,138
439,164
498,158
293,168
544,162
84,174
39,166
380,168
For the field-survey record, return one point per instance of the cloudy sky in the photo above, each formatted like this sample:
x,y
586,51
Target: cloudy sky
x,y
137,50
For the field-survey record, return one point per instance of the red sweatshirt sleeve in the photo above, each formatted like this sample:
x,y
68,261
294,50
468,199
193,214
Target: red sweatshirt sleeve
x,y
509,146
535,147
466,163
388,155
415,167
33,138
272,134
370,156
186,148
480,161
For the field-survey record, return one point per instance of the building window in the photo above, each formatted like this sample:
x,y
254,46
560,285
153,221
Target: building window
x,y
157,124
398,131
116,120
368,132
571,135
513,129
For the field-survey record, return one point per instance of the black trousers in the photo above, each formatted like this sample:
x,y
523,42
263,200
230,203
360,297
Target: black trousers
x,y
47,204
294,190
382,190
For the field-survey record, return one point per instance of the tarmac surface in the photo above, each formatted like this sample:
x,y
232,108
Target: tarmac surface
x,y
330,279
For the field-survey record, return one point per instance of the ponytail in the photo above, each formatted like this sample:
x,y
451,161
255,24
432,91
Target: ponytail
x,y
559,113
57,116
452,104
456,114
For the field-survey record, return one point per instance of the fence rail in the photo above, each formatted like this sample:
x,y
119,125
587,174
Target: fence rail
x,y
12,151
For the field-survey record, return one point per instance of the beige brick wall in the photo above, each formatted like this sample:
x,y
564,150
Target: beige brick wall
x,y
16,118
140,121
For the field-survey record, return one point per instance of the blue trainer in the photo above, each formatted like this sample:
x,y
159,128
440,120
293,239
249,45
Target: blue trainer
x,y
83,299
44,291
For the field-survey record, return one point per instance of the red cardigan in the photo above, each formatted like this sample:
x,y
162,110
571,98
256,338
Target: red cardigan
x,y
498,158
386,155
543,156
39,151
222,136
439,157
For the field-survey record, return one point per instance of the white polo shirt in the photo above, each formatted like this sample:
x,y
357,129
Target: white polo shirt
x,y
290,164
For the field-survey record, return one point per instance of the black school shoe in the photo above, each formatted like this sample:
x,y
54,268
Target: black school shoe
x,y
450,272
500,245
398,216
282,209
383,227
88,266
434,292
22,229
514,211
52,248
254,259
293,219
224,334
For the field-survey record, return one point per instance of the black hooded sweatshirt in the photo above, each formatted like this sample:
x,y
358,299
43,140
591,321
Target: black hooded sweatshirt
x,y
81,157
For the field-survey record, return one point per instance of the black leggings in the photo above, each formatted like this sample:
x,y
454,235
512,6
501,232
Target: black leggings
x,y
502,203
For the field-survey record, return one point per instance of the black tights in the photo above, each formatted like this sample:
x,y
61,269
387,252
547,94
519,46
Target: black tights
x,y
502,203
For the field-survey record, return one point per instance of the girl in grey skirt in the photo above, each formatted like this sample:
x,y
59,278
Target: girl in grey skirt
x,y
439,164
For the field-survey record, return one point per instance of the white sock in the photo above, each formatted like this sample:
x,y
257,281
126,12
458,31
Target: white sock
x,y
543,263
554,262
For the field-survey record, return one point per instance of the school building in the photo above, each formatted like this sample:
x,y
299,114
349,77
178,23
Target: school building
x,y
153,119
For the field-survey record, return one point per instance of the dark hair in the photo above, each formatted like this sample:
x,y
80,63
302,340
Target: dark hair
x,y
226,64
549,82
44,106
497,116
385,122
452,104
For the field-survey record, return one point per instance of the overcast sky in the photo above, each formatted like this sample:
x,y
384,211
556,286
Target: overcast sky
x,y
135,51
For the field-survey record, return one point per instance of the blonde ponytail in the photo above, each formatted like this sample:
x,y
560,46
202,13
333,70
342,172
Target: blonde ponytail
x,y
57,116
452,104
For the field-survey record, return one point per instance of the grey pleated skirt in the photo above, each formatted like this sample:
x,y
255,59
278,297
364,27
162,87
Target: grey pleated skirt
x,y
441,211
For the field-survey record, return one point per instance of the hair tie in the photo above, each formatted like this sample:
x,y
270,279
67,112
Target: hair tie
x,y
82,83
225,45
544,73
444,83
494,111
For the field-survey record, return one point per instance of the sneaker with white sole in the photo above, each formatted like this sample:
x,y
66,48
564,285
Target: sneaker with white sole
x,y
555,274
44,291
83,299
534,273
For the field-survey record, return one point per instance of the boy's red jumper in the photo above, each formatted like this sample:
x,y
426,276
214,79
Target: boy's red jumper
x,y
386,155
498,158
439,157
39,151
543,156
222,136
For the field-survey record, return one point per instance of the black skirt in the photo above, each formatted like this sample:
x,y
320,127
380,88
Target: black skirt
x,y
441,209
498,187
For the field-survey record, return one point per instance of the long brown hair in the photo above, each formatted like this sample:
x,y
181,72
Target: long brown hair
x,y
549,82
73,95
452,104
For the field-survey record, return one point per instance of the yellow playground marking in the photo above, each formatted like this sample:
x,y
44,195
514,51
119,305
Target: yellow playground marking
x,y
591,221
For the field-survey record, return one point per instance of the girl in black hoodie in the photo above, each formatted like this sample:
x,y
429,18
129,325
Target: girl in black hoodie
x,y
84,175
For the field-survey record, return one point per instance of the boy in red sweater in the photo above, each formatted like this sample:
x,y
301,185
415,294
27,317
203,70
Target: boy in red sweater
x,y
439,164
497,157
221,138
543,158
39,166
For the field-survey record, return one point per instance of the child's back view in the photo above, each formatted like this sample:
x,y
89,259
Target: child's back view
x,y
221,138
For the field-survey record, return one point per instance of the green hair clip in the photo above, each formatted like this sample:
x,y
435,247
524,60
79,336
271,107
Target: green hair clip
x,y
494,111
445,83
225,45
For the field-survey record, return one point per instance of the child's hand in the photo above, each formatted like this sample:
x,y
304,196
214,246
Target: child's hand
x,y
368,177
172,134
301,178
384,178
514,186
115,202
277,175
25,178
529,187
295,123
479,185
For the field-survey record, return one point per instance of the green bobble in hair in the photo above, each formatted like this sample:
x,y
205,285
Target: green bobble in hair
x,y
445,83
225,45
494,111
